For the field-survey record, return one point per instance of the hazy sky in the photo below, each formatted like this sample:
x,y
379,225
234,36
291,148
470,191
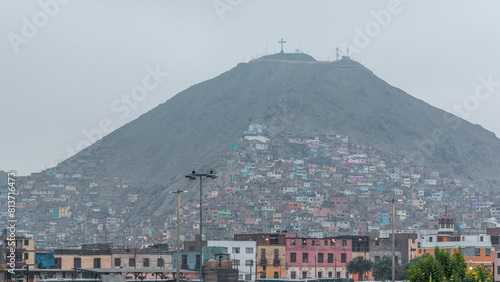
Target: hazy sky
x,y
70,70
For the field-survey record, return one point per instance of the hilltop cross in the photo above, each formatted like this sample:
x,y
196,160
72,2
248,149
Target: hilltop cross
x,y
282,42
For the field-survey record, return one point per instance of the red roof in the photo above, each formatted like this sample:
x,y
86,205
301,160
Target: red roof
x,y
446,218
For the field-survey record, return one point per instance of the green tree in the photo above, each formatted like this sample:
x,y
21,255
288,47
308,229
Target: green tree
x,y
382,269
360,266
479,273
444,267
403,274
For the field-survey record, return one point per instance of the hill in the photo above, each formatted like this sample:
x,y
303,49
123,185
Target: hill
x,y
292,94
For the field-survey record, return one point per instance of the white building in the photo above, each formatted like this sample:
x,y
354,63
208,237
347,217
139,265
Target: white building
x,y
243,253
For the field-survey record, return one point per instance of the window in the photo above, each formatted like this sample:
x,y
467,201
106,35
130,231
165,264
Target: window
x,y
320,258
236,250
249,262
58,262
332,242
377,243
292,242
494,240
248,277
477,252
293,257
330,274
326,242
77,263
184,261
305,257
26,242
344,243
276,274
304,274
26,255
131,262
313,242
249,250
118,261
293,274
320,274
498,269
440,239
330,258
145,262
343,258
430,239
191,248
481,238
160,262
498,255
276,254
469,252
488,252
97,263
263,254
236,262
338,274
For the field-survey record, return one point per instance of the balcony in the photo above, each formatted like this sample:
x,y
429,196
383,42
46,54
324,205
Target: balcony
x,y
263,262
276,262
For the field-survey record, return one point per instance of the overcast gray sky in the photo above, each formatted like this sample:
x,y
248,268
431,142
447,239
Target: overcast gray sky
x,y
67,67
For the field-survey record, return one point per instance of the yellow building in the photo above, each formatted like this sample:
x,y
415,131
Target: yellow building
x,y
271,261
64,211
25,252
89,256
271,253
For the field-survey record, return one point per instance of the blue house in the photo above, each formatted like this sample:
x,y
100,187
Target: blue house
x,y
384,218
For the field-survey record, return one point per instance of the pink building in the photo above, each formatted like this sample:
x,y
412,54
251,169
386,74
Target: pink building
x,y
339,202
317,257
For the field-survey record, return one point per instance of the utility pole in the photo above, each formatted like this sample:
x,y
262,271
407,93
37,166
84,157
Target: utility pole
x,y
178,230
193,176
335,260
393,239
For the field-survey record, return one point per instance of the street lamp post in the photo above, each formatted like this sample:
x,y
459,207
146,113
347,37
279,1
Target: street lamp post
x,y
178,229
193,176
393,240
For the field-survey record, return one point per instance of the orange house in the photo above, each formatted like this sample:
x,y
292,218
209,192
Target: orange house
x,y
476,249
295,206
